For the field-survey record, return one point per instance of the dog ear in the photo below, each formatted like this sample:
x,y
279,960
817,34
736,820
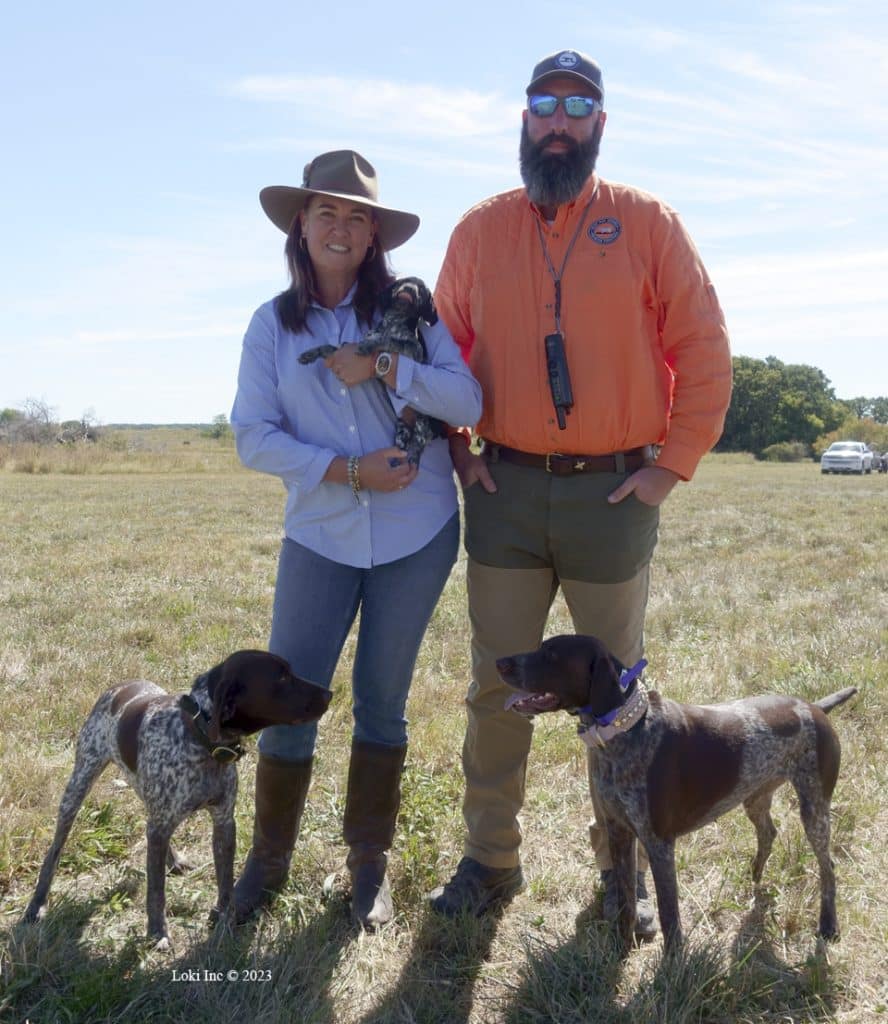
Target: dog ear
x,y
604,682
429,312
385,296
223,697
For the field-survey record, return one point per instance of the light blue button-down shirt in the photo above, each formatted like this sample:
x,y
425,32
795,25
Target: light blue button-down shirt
x,y
293,420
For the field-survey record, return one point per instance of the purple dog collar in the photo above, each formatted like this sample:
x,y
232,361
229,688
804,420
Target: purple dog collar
x,y
627,678
621,718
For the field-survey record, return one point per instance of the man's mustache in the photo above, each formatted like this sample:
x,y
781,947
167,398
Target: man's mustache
x,y
566,140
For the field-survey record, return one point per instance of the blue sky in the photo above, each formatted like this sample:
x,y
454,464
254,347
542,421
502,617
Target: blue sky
x,y
137,136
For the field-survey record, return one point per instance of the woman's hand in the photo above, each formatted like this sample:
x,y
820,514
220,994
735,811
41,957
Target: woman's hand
x,y
349,366
386,469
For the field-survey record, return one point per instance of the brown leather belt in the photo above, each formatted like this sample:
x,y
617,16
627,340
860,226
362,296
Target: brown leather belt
x,y
566,465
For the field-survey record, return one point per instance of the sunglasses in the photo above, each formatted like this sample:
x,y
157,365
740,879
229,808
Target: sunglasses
x,y
574,106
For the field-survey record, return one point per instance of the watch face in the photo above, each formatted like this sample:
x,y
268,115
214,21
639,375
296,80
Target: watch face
x,y
383,364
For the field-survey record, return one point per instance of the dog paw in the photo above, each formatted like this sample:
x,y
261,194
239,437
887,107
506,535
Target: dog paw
x,y
321,352
35,912
221,917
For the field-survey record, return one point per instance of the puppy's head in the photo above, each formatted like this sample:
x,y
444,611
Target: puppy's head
x,y
411,293
564,674
251,690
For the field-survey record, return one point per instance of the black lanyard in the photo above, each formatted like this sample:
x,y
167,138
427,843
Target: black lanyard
x,y
556,277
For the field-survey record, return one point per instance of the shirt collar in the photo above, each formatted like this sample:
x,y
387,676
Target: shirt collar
x,y
347,299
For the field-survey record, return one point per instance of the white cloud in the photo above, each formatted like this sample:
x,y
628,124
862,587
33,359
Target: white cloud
x,y
425,110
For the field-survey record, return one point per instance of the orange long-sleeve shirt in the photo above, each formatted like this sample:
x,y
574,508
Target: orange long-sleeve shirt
x,y
644,335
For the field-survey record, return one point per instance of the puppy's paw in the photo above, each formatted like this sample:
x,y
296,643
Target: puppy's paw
x,y
320,352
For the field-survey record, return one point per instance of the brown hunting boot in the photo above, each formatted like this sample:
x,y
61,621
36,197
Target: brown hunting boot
x,y
281,788
371,809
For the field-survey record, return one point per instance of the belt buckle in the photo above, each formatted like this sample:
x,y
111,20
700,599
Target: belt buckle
x,y
562,467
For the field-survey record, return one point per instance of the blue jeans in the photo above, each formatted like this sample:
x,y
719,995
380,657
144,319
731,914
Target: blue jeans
x,y
315,603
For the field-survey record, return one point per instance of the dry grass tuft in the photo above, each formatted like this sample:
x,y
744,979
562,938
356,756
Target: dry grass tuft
x,y
156,558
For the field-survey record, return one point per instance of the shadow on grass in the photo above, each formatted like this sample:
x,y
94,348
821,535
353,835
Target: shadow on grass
x,y
273,969
46,972
576,981
437,983
584,979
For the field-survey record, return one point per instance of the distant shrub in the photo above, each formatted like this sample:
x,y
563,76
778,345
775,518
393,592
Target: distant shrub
x,y
219,429
786,451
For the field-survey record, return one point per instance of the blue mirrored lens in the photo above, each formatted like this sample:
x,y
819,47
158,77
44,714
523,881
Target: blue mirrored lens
x,y
542,106
579,106
574,106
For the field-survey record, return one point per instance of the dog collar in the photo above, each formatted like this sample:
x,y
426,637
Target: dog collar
x,y
627,678
196,720
597,730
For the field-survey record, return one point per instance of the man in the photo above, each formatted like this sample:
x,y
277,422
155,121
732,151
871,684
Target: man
x,y
585,313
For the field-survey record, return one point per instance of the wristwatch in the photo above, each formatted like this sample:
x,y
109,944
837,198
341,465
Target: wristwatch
x,y
383,364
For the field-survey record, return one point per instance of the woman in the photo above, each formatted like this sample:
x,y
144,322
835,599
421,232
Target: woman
x,y
363,528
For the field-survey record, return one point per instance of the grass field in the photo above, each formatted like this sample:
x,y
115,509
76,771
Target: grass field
x,y
156,558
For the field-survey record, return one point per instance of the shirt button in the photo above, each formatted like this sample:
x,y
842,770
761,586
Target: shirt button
x,y
352,428
342,391
364,502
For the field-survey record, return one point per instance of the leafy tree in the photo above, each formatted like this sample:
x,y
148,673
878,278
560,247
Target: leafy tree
x,y
748,424
220,430
869,408
775,403
855,429
807,405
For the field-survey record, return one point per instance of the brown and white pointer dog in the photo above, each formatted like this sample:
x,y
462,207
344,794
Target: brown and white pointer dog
x,y
178,754
664,769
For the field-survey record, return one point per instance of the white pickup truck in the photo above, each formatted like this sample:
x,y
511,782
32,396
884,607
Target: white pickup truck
x,y
847,457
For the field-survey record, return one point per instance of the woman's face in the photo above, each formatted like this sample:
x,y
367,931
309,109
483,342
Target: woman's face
x,y
338,233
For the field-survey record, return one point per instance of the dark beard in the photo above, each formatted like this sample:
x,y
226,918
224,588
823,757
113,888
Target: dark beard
x,y
555,178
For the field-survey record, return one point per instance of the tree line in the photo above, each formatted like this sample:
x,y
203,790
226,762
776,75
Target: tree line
x,y
778,410
781,410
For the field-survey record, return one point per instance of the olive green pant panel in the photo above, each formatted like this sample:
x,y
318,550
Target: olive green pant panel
x,y
508,609
539,521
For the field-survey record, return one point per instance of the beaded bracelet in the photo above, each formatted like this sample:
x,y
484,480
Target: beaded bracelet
x,y
354,477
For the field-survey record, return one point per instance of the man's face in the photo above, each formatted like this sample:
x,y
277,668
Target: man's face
x,y
559,125
558,152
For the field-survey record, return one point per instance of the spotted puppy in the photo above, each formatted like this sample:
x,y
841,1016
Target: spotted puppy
x,y
404,304
665,769
178,754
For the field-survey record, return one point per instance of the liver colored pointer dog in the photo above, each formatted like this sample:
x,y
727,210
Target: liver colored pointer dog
x,y
664,769
403,304
178,754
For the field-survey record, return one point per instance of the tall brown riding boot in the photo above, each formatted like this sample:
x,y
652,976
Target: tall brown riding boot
x,y
371,808
281,788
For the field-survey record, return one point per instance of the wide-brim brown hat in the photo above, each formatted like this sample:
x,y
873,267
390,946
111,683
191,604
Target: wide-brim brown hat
x,y
342,174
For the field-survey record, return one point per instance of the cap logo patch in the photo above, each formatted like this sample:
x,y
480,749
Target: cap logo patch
x,y
605,230
567,59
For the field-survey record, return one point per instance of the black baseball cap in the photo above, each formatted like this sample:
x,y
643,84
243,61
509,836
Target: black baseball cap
x,y
569,63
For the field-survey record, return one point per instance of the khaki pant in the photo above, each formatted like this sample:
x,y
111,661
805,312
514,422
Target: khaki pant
x,y
508,610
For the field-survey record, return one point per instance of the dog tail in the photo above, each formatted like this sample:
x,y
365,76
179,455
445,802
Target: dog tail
x,y
835,699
